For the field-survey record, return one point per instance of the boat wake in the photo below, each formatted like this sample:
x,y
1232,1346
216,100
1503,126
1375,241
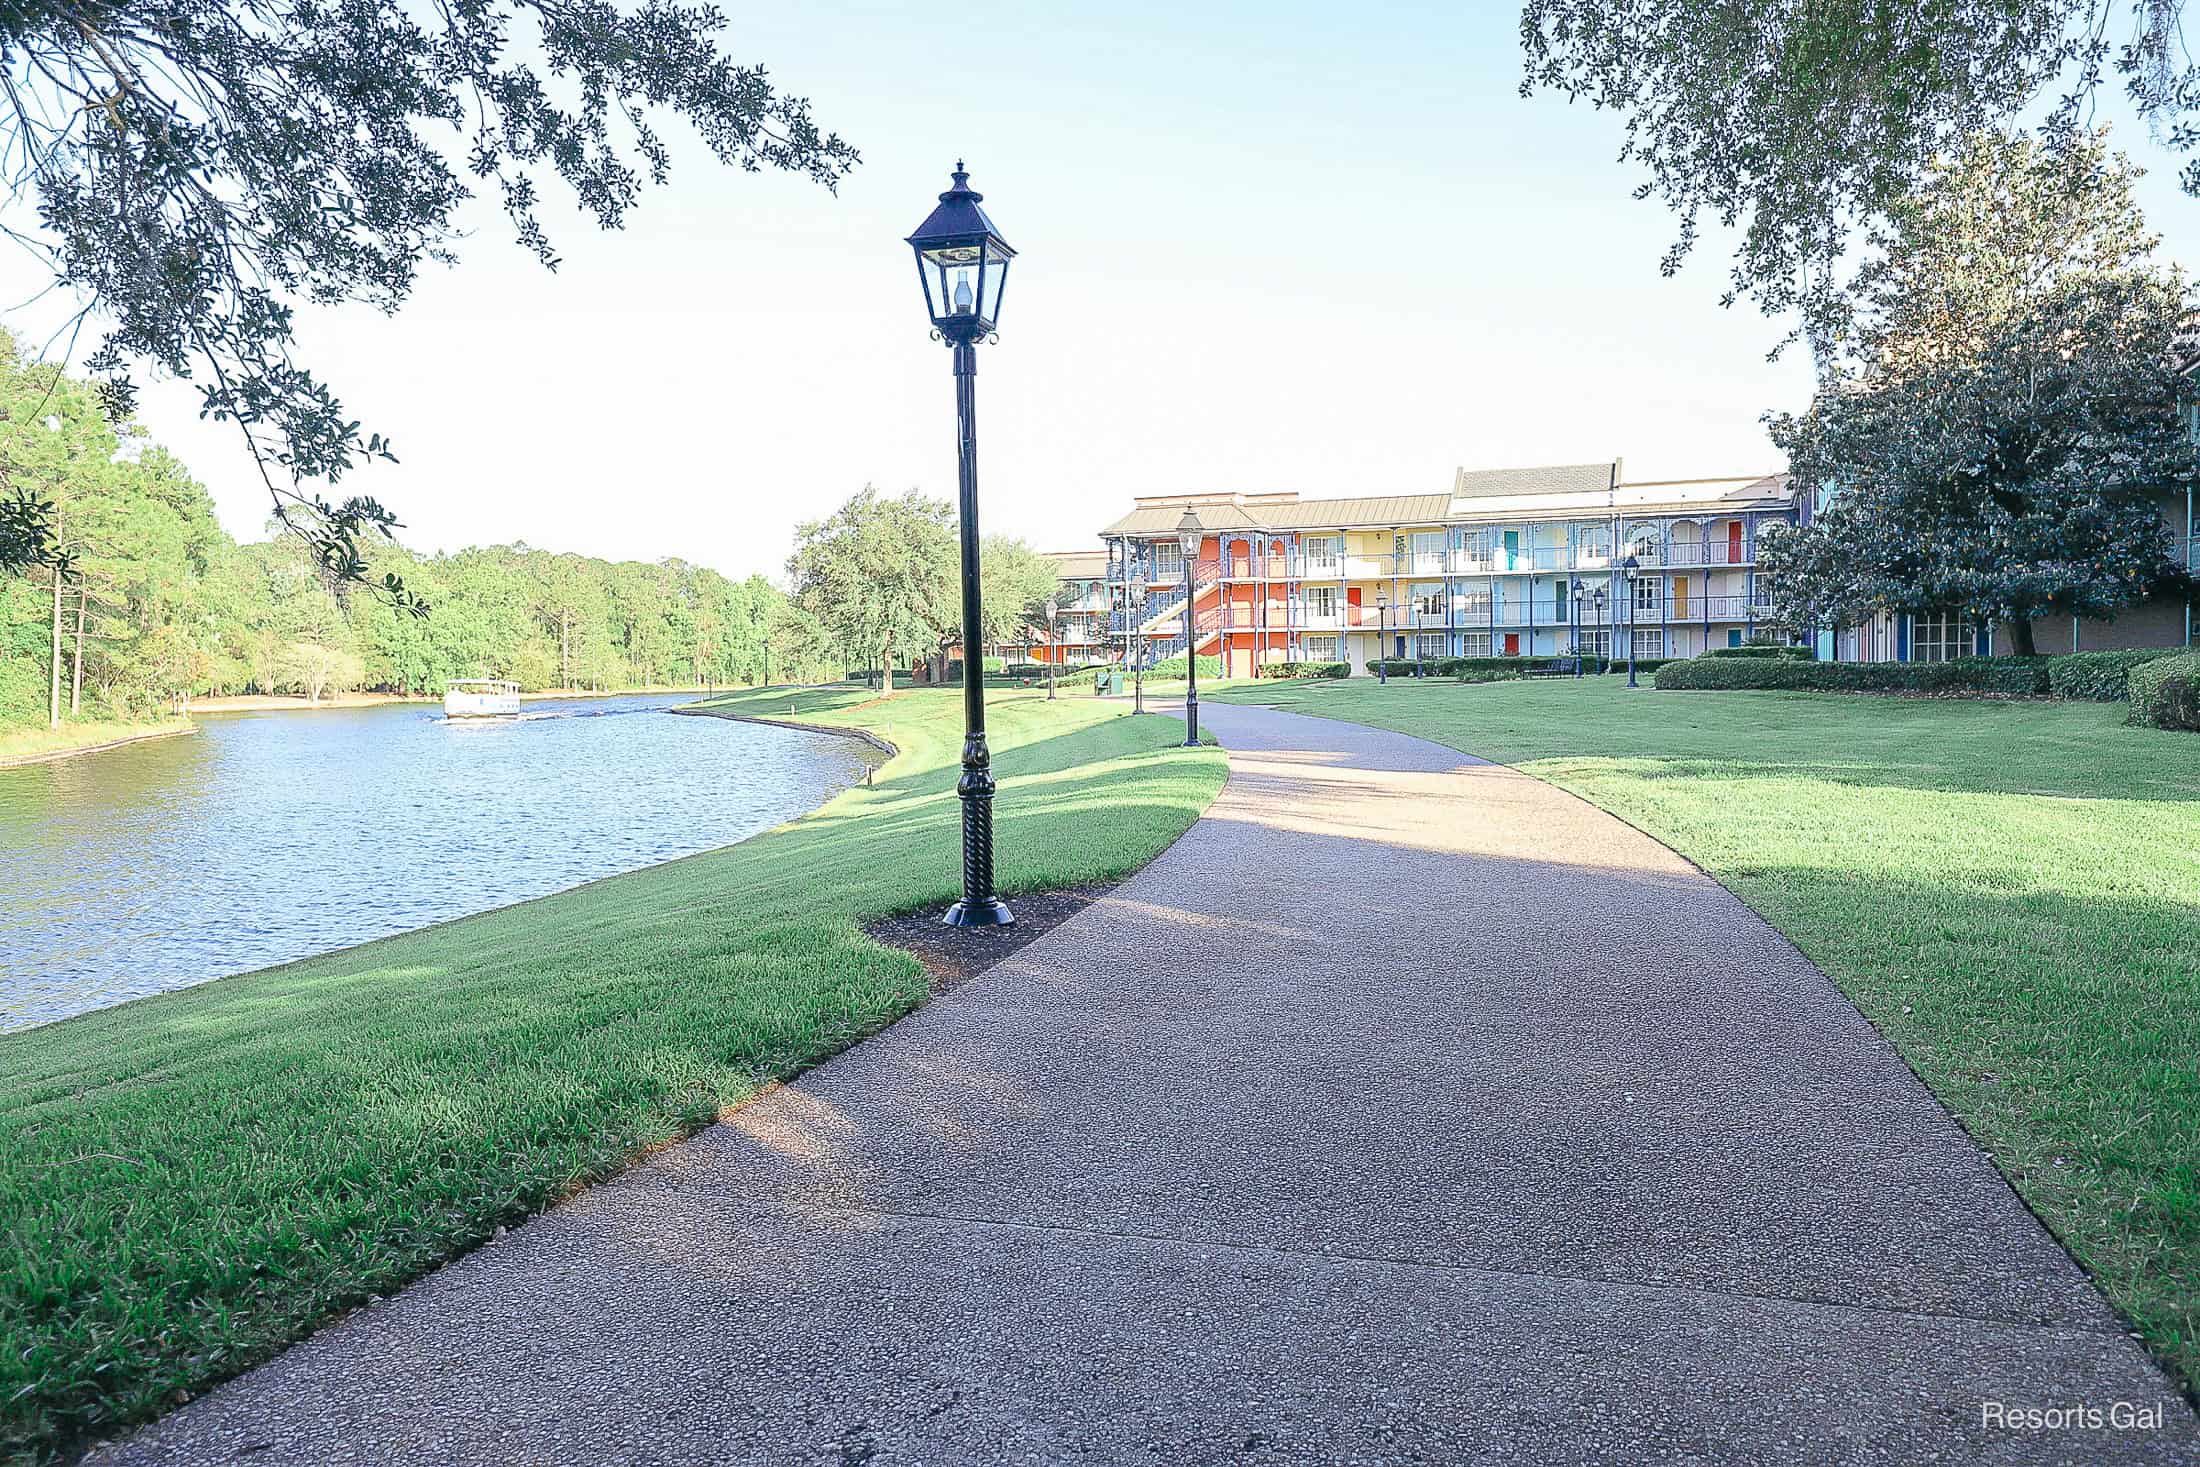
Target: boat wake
x,y
547,714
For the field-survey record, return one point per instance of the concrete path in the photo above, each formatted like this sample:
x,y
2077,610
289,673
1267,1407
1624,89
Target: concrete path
x,y
1406,1110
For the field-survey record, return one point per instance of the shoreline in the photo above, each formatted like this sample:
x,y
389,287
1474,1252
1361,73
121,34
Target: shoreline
x,y
139,736
291,703
296,703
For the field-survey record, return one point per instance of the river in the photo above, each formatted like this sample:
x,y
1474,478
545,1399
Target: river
x,y
266,837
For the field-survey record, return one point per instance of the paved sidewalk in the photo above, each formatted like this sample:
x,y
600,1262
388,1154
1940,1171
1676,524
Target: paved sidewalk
x,y
1406,1110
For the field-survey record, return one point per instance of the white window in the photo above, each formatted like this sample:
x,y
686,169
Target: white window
x,y
1940,637
1321,600
1592,642
1594,542
1169,560
1428,599
1428,550
1474,604
1430,645
1646,594
1477,644
1650,643
1318,649
1476,547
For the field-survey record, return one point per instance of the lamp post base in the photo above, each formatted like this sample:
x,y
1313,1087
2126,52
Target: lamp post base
x,y
991,912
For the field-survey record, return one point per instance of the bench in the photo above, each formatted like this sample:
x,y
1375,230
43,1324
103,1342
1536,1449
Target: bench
x,y
1556,667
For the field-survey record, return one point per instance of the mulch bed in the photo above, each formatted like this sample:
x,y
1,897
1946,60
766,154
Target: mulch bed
x,y
955,955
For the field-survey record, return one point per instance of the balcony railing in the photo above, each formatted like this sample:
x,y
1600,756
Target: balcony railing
x,y
1716,552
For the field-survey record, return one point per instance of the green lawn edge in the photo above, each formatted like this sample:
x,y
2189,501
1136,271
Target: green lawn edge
x,y
191,1182
41,745
2009,890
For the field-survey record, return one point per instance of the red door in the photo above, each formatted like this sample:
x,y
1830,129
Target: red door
x,y
1734,542
1512,644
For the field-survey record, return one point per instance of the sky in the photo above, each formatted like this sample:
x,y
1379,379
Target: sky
x,y
1278,247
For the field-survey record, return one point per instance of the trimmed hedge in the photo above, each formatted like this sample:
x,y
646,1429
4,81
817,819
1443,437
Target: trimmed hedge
x,y
2099,677
1303,669
2020,675
1495,669
1177,667
2165,693
1764,649
1430,666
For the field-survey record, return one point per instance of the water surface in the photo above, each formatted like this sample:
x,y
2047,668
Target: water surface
x,y
272,836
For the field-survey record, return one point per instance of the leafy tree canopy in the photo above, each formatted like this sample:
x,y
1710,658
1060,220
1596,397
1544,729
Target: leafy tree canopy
x,y
878,576
2005,443
1798,121
200,168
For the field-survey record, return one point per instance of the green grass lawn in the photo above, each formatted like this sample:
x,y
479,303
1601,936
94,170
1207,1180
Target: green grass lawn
x,y
190,1182
20,744
2010,891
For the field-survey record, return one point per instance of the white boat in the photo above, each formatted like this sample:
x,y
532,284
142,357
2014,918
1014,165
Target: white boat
x,y
480,697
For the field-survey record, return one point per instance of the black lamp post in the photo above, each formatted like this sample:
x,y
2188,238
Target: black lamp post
x,y
962,262
1054,645
1597,598
1189,532
1578,595
1135,608
1382,637
1633,567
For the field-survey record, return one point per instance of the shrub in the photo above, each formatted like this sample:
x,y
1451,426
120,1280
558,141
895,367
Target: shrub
x,y
1039,669
2165,693
1404,666
1177,667
1303,669
2099,677
1765,649
1962,675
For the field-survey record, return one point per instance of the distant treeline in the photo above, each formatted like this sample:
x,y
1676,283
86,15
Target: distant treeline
x,y
153,602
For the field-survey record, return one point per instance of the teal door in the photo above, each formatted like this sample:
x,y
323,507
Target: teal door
x,y
1512,548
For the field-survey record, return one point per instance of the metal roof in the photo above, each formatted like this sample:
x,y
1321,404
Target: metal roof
x,y
1552,479
1480,496
1373,511
1079,565
1161,519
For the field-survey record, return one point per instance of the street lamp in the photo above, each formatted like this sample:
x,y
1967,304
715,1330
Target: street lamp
x,y
1597,598
962,263
1633,567
1135,608
1189,532
1382,637
1054,646
1578,595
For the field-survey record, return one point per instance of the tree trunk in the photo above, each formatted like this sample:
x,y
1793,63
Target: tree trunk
x,y
76,670
53,680
565,649
886,669
2021,627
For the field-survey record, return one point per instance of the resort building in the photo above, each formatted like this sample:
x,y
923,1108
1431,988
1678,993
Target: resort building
x,y
1082,605
2158,621
1510,562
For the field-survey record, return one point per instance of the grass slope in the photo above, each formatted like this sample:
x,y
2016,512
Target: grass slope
x,y
192,1181
2010,891
25,745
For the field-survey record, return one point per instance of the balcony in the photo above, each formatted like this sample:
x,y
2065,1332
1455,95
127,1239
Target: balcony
x,y
1716,552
